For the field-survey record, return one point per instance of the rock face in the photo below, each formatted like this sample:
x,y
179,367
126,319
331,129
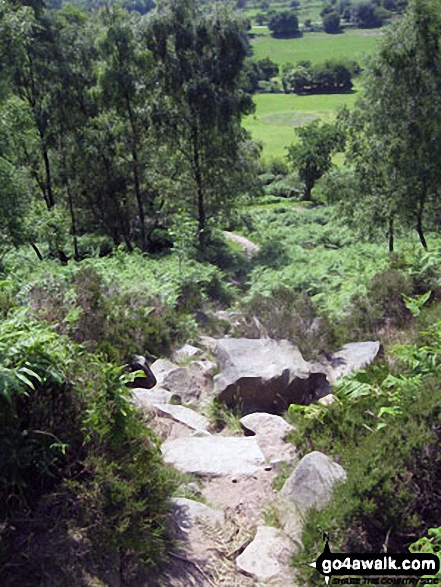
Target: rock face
x,y
353,356
267,557
310,485
214,456
263,375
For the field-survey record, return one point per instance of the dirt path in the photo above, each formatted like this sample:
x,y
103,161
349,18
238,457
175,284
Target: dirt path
x,y
248,246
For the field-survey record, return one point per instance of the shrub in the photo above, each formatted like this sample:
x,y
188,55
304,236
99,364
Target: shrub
x,y
385,431
284,24
71,441
331,23
288,314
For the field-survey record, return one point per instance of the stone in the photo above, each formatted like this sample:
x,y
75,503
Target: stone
x,y
214,456
309,486
184,415
186,352
353,356
175,379
261,423
268,556
264,375
145,398
270,432
327,400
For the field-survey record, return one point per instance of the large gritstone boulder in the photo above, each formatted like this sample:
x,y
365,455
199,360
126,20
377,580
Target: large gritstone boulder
x,y
264,375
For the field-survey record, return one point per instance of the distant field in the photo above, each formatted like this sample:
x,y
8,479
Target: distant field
x,y
277,115
317,47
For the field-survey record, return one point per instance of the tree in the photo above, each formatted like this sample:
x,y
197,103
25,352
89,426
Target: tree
x,y
200,52
284,24
124,83
331,23
395,131
365,16
312,155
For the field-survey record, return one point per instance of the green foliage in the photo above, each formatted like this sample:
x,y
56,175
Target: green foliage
x,y
384,431
328,77
430,544
331,23
69,435
312,156
284,24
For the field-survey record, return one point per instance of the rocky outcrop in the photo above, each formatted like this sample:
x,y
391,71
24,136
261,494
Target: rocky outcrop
x,y
264,375
267,558
353,356
214,456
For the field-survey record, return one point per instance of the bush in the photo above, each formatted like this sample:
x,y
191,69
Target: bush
x,y
284,24
331,23
385,432
71,442
287,314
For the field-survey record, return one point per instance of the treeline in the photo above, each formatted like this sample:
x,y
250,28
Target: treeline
x,y
324,78
110,121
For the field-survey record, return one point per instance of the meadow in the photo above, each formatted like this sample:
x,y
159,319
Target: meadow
x,y
353,44
277,115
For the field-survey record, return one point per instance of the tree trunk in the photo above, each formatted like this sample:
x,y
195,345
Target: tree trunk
x,y
419,226
391,234
135,170
307,193
202,220
49,195
37,251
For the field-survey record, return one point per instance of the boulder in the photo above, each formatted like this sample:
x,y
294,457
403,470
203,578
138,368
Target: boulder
x,y
309,486
175,379
311,483
264,375
186,352
145,398
353,356
214,456
327,400
267,558
270,432
262,424
184,415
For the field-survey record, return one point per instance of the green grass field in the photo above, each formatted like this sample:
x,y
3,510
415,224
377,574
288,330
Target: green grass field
x,y
317,47
277,115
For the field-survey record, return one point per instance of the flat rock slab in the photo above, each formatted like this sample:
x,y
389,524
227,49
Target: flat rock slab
x,y
214,456
184,415
145,398
267,557
351,357
264,375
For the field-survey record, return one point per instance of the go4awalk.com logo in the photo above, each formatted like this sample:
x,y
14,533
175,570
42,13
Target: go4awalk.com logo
x,y
389,569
